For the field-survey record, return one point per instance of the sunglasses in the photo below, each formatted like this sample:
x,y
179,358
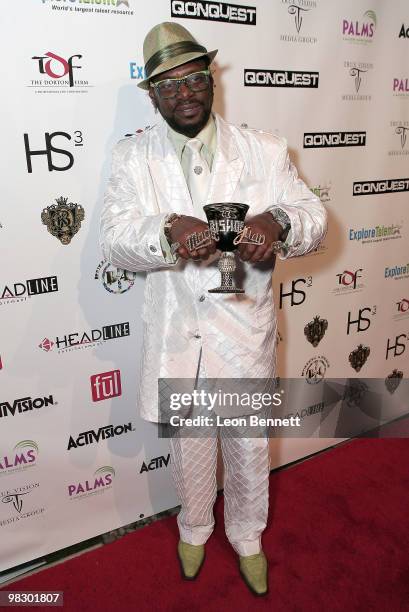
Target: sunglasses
x,y
169,88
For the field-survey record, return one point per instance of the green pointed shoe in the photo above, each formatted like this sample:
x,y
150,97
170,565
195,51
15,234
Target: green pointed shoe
x,y
253,569
191,559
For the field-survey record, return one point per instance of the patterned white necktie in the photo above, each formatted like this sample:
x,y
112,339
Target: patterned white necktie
x,y
198,176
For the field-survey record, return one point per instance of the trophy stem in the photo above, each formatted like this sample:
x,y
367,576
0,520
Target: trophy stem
x,y
226,265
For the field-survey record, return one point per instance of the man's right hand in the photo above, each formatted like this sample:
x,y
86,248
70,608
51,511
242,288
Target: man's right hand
x,y
182,229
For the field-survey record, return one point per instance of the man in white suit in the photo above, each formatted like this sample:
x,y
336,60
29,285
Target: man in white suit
x,y
154,201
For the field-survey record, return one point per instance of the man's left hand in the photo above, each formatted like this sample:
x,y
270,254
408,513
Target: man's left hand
x,y
261,224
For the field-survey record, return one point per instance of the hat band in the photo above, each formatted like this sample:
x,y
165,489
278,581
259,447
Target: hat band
x,y
170,51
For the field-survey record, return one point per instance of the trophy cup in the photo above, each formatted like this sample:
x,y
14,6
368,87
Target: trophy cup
x,y
226,226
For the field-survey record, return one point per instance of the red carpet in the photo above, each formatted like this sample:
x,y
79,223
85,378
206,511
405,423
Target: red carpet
x,y
338,539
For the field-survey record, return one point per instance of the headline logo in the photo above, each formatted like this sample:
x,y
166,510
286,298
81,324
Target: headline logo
x,y
80,340
18,292
383,186
214,11
316,140
280,78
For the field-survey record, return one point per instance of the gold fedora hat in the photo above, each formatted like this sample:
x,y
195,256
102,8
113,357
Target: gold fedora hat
x,y
167,46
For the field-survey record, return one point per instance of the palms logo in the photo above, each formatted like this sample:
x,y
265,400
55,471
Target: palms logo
x,y
295,10
402,131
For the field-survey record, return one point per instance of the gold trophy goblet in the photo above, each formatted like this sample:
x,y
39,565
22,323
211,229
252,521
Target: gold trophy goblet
x,y
226,225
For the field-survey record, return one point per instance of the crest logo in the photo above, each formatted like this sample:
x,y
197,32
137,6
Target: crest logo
x,y
392,381
358,357
63,220
315,330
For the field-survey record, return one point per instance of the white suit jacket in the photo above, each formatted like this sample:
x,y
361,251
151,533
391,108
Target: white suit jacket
x,y
237,333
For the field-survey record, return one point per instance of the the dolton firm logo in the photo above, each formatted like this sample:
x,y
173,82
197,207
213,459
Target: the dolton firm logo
x,y
348,281
361,188
317,140
57,73
213,11
280,78
86,339
106,385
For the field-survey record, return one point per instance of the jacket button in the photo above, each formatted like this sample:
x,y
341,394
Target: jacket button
x,y
152,248
197,335
202,298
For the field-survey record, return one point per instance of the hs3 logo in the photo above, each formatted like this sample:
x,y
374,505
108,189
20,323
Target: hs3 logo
x,y
50,150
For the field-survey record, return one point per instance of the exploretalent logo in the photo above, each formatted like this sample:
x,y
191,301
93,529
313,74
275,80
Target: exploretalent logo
x,y
115,280
100,482
18,505
51,150
400,87
22,457
360,31
137,71
377,233
75,341
318,140
400,130
105,7
20,291
301,18
25,404
397,272
361,188
359,73
315,369
155,464
401,308
280,78
214,11
348,282
55,74
103,433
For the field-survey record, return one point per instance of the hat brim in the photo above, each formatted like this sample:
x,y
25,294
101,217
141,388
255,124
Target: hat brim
x,y
174,62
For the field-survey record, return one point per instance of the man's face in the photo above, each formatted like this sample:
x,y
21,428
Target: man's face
x,y
189,111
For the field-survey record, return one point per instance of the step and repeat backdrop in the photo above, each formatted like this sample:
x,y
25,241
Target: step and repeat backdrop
x,y
333,78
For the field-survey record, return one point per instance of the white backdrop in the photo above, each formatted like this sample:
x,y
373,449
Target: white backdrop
x,y
69,84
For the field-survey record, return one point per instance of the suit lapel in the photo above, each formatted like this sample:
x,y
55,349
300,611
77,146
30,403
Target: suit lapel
x,y
167,174
227,166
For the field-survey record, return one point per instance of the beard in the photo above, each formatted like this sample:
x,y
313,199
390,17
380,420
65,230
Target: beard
x,y
190,130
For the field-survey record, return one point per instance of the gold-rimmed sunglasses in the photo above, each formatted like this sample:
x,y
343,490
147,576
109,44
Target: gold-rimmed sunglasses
x,y
169,88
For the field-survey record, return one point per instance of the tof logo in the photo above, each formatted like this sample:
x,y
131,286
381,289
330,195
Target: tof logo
x,y
115,280
106,385
51,150
402,308
56,67
348,282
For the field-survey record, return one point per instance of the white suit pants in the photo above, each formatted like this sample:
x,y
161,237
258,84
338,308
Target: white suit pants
x,y
246,472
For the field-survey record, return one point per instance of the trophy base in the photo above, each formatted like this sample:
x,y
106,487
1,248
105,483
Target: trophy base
x,y
225,290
